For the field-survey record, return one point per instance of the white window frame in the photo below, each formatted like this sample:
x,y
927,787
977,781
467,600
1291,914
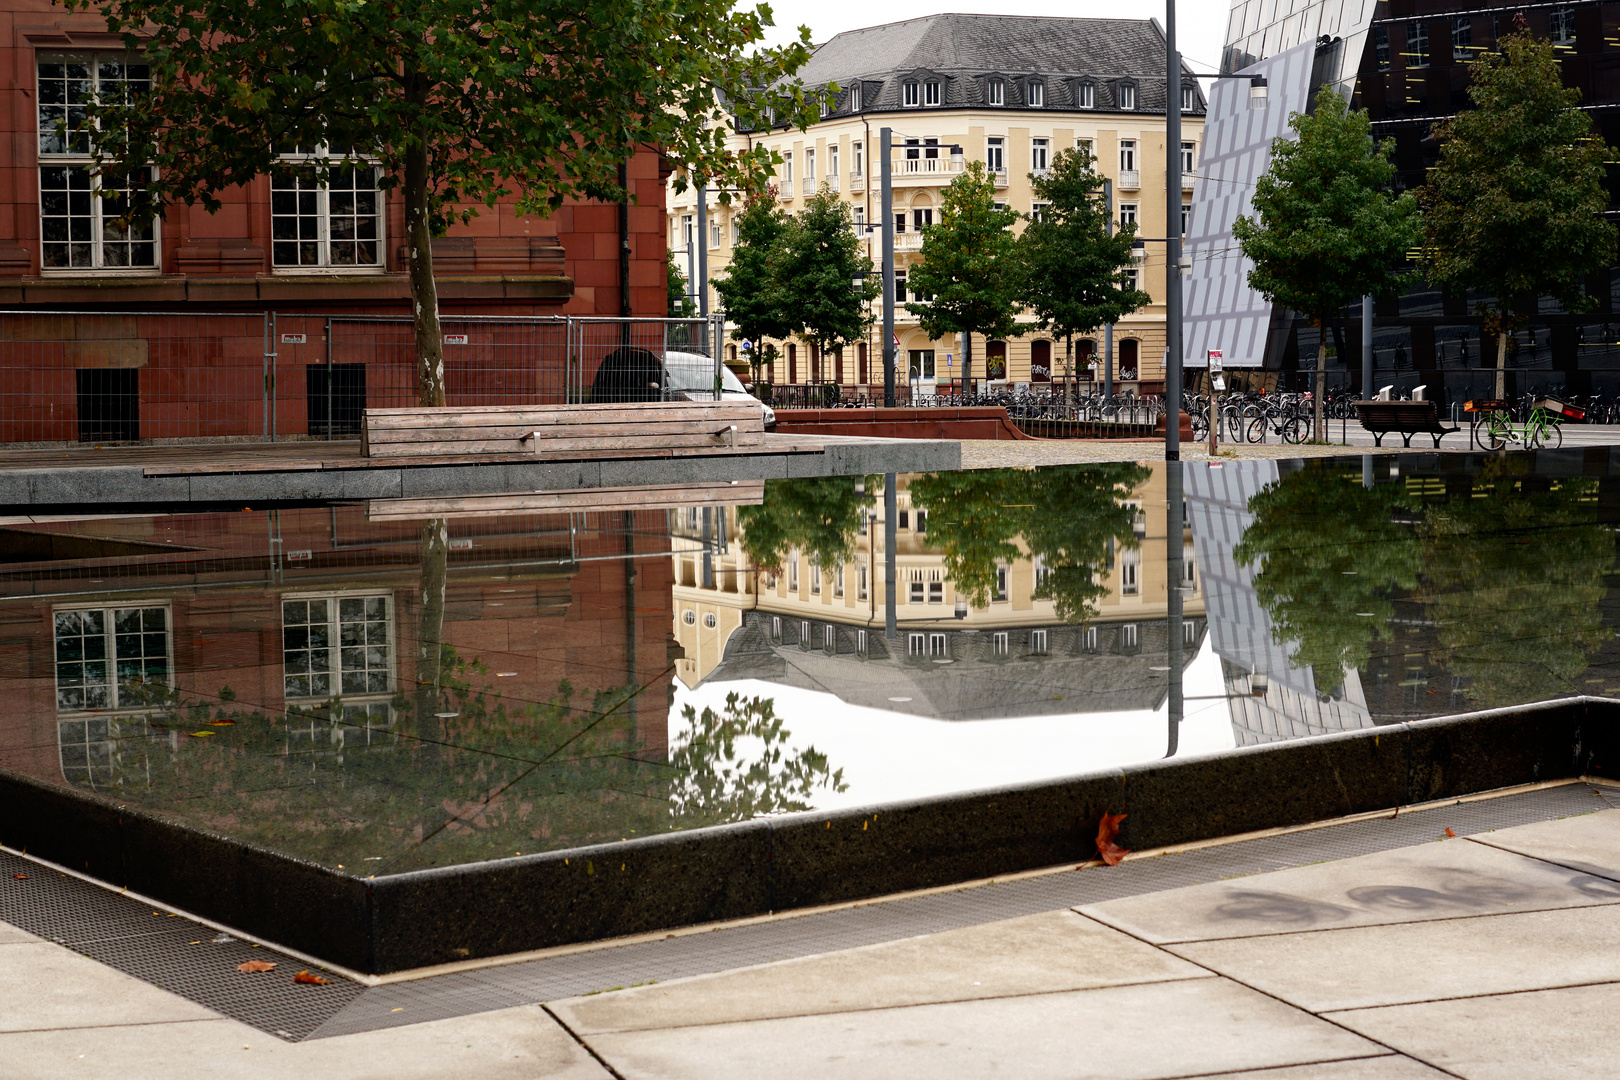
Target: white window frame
x,y
320,157
860,642
810,163
815,579
76,155
787,169
1189,158
714,231
855,97
1035,93
917,593
1129,636
1085,95
335,649
1037,211
1188,100
1127,155
911,94
933,93
995,92
1089,146
1130,573
939,647
1127,97
862,576
999,643
108,635
1040,155
838,581
916,644
804,633
1038,643
999,592
1127,213
858,152
995,153
832,161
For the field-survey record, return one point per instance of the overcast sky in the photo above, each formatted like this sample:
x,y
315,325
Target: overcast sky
x,y
1200,24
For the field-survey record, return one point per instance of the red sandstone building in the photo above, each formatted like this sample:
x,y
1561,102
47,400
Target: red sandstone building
x,y
277,243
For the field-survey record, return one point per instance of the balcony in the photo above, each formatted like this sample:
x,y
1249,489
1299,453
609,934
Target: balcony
x,y
921,171
808,185
786,190
908,241
831,181
1000,177
857,182
1130,180
1187,179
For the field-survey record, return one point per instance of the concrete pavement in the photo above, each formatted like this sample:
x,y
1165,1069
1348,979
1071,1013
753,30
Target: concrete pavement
x,y
1496,955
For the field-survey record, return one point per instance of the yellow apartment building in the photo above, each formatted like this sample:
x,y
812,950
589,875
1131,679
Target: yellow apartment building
x,y
1010,91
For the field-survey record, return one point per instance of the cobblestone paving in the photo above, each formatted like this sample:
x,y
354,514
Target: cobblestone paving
x,y
991,454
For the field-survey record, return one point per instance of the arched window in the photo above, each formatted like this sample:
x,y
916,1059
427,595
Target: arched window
x,y
1128,354
1040,361
995,360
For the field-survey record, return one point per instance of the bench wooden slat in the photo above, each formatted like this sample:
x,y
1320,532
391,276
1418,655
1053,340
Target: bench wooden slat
x,y
464,447
742,493
562,415
518,432
544,431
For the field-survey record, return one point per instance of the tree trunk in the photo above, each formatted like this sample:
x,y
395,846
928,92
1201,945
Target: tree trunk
x,y
424,294
1501,364
435,551
967,362
1068,366
1321,381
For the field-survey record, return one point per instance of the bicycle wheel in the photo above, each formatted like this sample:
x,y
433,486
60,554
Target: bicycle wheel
x,y
1295,430
1256,431
1493,434
1548,436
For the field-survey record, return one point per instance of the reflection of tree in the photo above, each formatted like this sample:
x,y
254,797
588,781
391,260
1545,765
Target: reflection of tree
x,y
343,786
1510,571
1330,553
1066,515
820,516
714,784
1513,578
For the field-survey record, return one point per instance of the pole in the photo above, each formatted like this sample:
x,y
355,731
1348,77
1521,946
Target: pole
x,y
1108,331
891,512
1172,221
1174,555
702,282
885,148
1366,348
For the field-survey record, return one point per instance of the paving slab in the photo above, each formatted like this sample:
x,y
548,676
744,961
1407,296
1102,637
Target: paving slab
x,y
1035,954
10,935
1167,1029
1427,881
513,1044
1388,1067
1589,843
46,986
1390,965
1548,1034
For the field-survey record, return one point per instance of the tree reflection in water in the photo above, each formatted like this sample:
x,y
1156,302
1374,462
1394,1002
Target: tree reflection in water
x,y
1504,575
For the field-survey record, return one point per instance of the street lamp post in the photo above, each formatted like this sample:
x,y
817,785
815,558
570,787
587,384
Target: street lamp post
x,y
885,149
1172,261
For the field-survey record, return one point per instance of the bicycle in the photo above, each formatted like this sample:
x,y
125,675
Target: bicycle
x,y
1494,427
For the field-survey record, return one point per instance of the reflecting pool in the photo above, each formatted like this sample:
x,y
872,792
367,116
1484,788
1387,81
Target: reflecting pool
x,y
383,687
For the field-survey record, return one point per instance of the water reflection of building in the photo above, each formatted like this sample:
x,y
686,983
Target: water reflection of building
x,y
1241,632
824,628
283,611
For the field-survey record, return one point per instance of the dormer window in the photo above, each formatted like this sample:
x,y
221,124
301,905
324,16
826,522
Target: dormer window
x,y
1085,95
931,93
1127,95
1186,99
855,98
1037,95
911,94
995,92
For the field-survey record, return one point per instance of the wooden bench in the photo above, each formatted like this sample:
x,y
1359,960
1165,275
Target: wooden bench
x,y
1405,418
657,497
645,429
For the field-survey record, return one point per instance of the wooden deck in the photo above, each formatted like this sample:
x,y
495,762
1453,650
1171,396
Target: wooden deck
x,y
312,456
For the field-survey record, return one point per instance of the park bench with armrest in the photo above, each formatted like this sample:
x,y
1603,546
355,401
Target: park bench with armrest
x,y
1404,418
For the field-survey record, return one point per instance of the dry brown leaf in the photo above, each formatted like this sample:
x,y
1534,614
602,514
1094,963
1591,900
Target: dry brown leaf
x,y
1107,829
256,965
1451,833
20,877
312,980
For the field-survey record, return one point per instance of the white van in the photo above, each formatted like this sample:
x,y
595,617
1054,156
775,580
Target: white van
x,y
694,372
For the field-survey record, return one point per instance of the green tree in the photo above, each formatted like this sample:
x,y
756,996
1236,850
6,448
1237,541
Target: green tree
x,y
458,103
680,296
748,286
1327,230
1067,516
1071,270
969,273
812,274
1514,209
1330,558
820,516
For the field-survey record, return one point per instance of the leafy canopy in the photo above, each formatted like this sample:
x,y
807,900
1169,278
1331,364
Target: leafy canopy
x,y
753,304
969,264
1072,271
820,516
813,270
1514,209
680,299
1327,230
542,99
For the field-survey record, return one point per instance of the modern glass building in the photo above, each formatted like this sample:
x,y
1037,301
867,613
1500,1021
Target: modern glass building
x,y
1406,62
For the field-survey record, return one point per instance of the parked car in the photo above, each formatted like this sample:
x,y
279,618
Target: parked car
x,y
632,374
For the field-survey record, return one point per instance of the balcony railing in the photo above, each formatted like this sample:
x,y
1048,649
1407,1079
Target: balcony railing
x,y
786,190
1000,177
832,181
1130,179
857,182
808,185
926,170
908,241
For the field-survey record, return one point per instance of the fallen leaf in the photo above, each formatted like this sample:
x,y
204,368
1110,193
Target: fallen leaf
x,y
1451,833
221,723
201,734
1107,829
255,965
20,877
312,980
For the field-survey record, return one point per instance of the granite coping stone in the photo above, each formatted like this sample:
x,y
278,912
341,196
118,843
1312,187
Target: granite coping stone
x,y
412,919
127,485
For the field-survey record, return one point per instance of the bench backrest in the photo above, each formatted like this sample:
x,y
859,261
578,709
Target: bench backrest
x,y
561,429
1398,415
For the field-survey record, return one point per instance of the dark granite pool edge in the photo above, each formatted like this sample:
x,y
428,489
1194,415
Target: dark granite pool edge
x,y
127,486
416,919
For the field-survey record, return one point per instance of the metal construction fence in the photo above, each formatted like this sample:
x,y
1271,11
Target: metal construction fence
x,y
74,377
